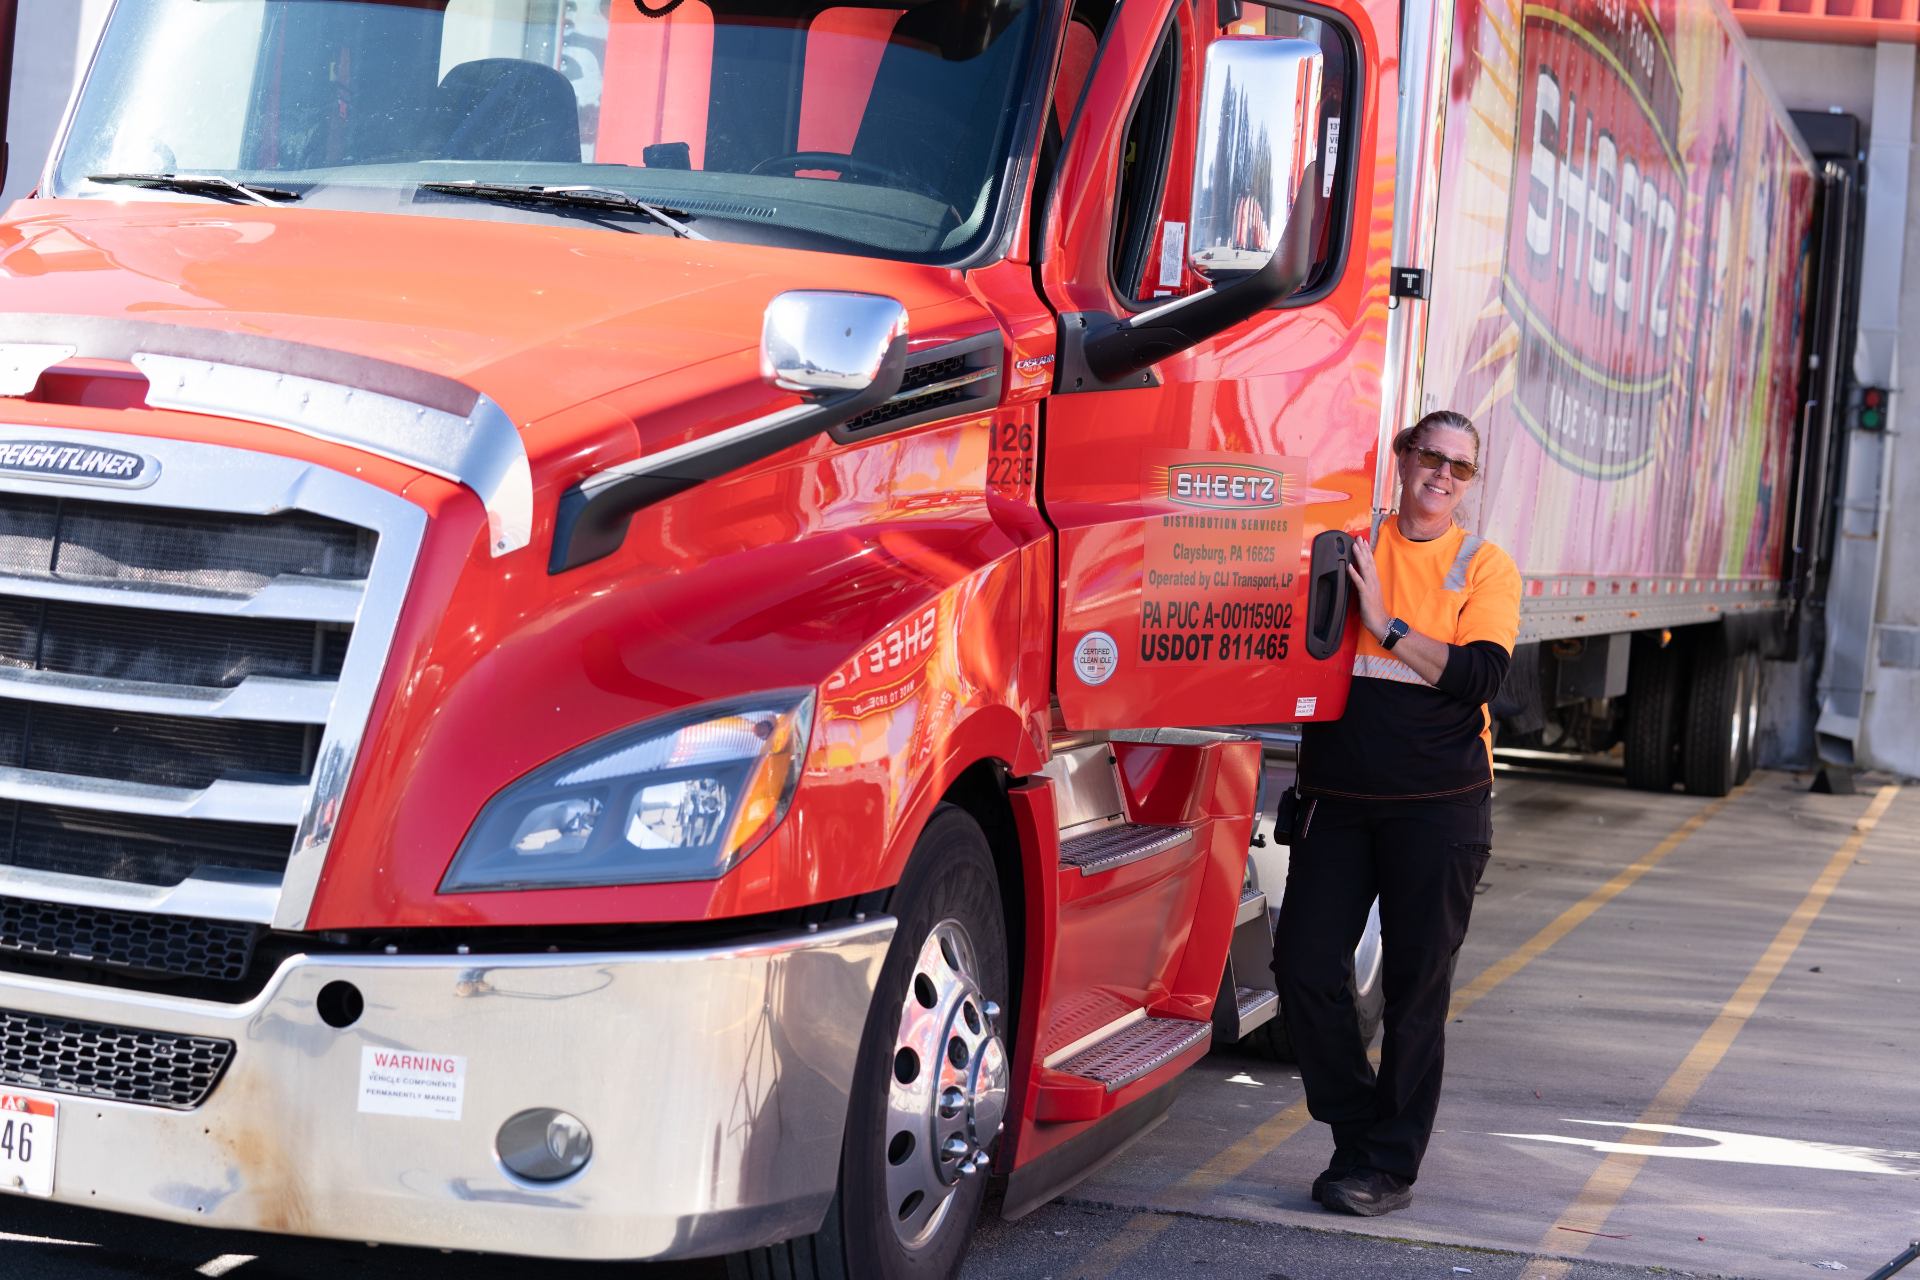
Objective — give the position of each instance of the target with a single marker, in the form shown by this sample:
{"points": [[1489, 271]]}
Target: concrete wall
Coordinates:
{"points": [[55, 39], [1846, 77], [1890, 734]]}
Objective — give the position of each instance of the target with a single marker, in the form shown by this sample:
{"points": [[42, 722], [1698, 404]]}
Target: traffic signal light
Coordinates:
{"points": [[1873, 409]]}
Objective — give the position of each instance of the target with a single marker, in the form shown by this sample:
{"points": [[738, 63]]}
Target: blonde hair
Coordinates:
{"points": [[1412, 437]]}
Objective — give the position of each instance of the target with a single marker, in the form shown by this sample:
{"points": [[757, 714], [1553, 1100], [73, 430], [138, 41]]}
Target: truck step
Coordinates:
{"points": [[1253, 905], [1116, 846], [1136, 1050], [1253, 1007]]}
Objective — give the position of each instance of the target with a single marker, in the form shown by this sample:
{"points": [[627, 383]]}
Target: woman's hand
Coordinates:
{"points": [[1366, 581]]}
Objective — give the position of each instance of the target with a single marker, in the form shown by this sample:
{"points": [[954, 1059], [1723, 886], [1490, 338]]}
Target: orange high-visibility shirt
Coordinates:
{"points": [[1402, 737]]}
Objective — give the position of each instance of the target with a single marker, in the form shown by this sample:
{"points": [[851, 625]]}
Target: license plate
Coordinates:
{"points": [[27, 1128]]}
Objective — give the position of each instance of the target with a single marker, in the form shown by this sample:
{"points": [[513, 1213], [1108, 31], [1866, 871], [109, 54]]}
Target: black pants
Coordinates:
{"points": [[1422, 858]]}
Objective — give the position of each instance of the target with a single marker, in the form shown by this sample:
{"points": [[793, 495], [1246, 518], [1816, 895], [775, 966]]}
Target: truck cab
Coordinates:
{"points": [[610, 610]]}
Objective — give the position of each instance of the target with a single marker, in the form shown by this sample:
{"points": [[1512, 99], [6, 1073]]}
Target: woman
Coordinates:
{"points": [[1395, 802]]}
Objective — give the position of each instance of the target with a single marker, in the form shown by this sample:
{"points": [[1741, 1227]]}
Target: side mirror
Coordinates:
{"points": [[820, 343], [1259, 130], [846, 352], [1256, 189]]}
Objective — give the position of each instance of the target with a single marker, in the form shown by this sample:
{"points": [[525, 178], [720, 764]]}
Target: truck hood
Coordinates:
{"points": [[539, 318]]}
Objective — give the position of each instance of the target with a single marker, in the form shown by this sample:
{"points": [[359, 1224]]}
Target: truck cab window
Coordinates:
{"points": [[1145, 158]]}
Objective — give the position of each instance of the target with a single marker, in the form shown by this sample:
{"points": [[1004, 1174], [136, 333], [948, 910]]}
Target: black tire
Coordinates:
{"points": [[1750, 735], [1652, 714], [949, 878], [1711, 743]]}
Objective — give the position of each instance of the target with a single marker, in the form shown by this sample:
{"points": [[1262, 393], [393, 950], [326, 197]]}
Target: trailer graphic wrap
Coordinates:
{"points": [[1592, 225], [1616, 288]]}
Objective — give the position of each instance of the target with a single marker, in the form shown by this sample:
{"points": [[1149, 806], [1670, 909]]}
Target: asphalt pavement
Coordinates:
{"points": [[1683, 1043]]}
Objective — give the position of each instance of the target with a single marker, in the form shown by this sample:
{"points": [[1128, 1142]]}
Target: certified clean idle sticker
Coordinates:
{"points": [[87, 464], [406, 1082], [1095, 658]]}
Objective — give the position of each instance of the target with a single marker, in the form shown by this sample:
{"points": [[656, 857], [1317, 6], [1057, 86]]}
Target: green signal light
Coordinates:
{"points": [[1873, 409]]}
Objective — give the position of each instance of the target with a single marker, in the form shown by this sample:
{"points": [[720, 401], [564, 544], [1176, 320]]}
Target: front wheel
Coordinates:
{"points": [[930, 1088]]}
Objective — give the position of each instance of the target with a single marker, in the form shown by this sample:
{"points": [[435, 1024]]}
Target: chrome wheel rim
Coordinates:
{"points": [[948, 1098]]}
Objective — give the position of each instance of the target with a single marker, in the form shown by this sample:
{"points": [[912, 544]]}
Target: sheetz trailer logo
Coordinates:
{"points": [[1592, 253], [88, 464], [1226, 486]]}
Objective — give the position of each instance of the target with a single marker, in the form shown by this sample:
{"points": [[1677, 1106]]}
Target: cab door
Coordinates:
{"points": [[1189, 497]]}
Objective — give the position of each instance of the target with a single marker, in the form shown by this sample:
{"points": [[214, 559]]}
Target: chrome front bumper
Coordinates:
{"points": [[714, 1084]]}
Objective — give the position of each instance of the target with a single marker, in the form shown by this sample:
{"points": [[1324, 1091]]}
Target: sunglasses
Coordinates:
{"points": [[1434, 460]]}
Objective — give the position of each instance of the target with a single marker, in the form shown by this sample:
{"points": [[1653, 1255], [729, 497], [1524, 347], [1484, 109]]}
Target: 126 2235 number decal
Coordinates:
{"points": [[1010, 462]]}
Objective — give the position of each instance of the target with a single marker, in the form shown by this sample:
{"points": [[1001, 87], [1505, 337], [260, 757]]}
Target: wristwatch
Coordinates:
{"points": [[1395, 630]]}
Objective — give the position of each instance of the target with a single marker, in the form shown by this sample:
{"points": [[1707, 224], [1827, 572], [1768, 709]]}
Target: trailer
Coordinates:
{"points": [[1620, 241], [615, 617]]}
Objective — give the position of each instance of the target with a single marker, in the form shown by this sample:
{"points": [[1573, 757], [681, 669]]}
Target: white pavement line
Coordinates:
{"points": [[223, 1264]]}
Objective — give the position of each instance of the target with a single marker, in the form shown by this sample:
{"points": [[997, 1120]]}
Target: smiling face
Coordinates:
{"points": [[1429, 494]]}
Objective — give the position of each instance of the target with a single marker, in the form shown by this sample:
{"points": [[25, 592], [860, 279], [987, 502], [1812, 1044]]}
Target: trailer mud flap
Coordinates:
{"points": [[1327, 593]]}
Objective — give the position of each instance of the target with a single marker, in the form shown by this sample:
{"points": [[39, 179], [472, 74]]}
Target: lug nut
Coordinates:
{"points": [[991, 1009], [951, 1101], [954, 1148]]}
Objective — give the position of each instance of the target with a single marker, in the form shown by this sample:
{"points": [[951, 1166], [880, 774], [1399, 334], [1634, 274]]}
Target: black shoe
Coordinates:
{"points": [[1368, 1193], [1345, 1161]]}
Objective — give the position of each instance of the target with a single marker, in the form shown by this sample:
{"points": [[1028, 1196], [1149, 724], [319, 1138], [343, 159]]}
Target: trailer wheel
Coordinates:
{"points": [[1652, 717], [1364, 984], [1716, 728], [930, 1087]]}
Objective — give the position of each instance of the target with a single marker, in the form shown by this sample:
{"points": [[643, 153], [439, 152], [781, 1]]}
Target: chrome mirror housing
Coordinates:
{"points": [[821, 343], [1259, 130]]}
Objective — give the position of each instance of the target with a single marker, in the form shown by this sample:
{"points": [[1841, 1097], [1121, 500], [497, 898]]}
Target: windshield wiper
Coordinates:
{"points": [[568, 197], [200, 184]]}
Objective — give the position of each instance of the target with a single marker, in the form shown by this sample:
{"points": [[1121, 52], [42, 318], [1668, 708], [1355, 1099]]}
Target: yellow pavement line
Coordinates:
{"points": [[1604, 1190], [1191, 1190], [1570, 919]]}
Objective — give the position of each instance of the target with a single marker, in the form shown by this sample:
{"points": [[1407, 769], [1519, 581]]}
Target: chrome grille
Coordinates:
{"points": [[136, 850], [185, 674], [92, 1060]]}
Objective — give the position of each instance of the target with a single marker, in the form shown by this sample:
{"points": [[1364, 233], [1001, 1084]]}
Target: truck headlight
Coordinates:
{"points": [[680, 798]]}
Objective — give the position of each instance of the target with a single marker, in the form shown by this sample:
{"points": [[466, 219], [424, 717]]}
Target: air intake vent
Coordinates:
{"points": [[730, 209], [154, 945], [91, 1060], [947, 381]]}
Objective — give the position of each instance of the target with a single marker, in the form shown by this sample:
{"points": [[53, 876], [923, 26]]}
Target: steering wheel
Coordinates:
{"points": [[851, 166]]}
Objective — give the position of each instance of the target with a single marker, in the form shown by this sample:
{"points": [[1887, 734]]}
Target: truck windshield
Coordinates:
{"points": [[874, 129]]}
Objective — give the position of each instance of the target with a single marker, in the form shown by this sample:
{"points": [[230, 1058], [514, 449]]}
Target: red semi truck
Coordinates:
{"points": [[613, 615]]}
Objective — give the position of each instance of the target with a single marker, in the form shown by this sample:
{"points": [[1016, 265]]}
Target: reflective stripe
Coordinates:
{"points": [[1457, 576], [1377, 667]]}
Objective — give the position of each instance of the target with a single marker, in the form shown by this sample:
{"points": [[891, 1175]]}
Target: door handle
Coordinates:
{"points": [[1327, 593]]}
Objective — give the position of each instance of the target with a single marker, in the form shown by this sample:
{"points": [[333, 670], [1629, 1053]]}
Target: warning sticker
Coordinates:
{"points": [[1173, 255], [406, 1082], [1095, 658], [1303, 707], [1222, 558]]}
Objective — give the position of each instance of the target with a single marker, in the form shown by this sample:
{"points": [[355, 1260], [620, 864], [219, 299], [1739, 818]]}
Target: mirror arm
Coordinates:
{"points": [[1150, 337], [594, 515]]}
